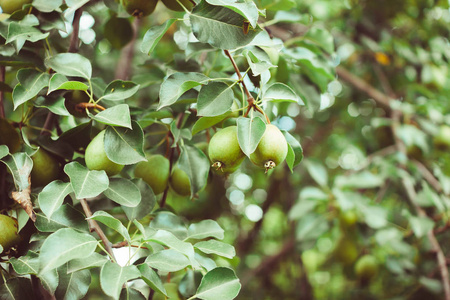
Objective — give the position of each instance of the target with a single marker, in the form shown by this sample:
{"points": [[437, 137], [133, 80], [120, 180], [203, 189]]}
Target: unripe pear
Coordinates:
{"points": [[45, 168], [155, 171], [224, 150], [96, 159], [180, 183], [366, 267], [346, 251], [9, 235], [442, 139], [271, 150], [10, 6], [139, 8]]}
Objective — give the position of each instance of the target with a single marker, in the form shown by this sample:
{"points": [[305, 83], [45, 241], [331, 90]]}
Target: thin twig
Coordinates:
{"points": [[2, 106], [93, 226], [361, 85], [249, 96], [428, 176], [442, 261]]}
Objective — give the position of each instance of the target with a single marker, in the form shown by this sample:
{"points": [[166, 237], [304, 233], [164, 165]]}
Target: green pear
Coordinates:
{"points": [[96, 159], [10, 6], [155, 171], [9, 236], [45, 168], [271, 150], [139, 8], [224, 150], [180, 183]]}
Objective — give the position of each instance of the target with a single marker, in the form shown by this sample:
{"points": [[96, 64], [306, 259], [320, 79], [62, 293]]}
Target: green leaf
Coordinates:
{"points": [[60, 82], [28, 264], [215, 99], [120, 90], [295, 150], [52, 196], [154, 35], [64, 245], [55, 105], [20, 165], [420, 225], [169, 221], [86, 183], [219, 284], [49, 280], [47, 5], [322, 38], [3, 151], [250, 132], [361, 180], [196, 165], [123, 192], [167, 261], [118, 115], [111, 222], [216, 247], [205, 229], [317, 172], [279, 92], [176, 85], [311, 227], [152, 279], [125, 146], [207, 122], [31, 82], [113, 277], [247, 9], [166, 238], [145, 206], [220, 27], [65, 216], [92, 261], [16, 288], [73, 285], [20, 33], [70, 64], [374, 216]]}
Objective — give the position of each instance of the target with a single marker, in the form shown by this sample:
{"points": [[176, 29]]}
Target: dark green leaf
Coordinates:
{"points": [[70, 64], [118, 115], [31, 82], [167, 261], [120, 90], [196, 165], [250, 132], [219, 284], [125, 146], [65, 216], [152, 279], [111, 222], [205, 229], [216, 247], [215, 99], [154, 35]]}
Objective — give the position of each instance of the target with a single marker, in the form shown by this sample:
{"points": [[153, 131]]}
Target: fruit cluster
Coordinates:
{"points": [[224, 152]]}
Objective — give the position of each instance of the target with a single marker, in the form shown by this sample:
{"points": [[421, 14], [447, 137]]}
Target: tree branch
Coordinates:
{"points": [[361, 85], [428, 176], [2, 106], [93, 226]]}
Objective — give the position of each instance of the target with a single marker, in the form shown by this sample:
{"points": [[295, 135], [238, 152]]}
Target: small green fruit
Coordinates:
{"points": [[442, 139], [174, 5], [179, 181], [155, 171], [224, 150], [271, 150], [346, 251], [45, 168], [172, 292], [96, 158], [72, 99], [10, 6], [139, 8], [9, 236], [348, 218], [366, 267]]}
